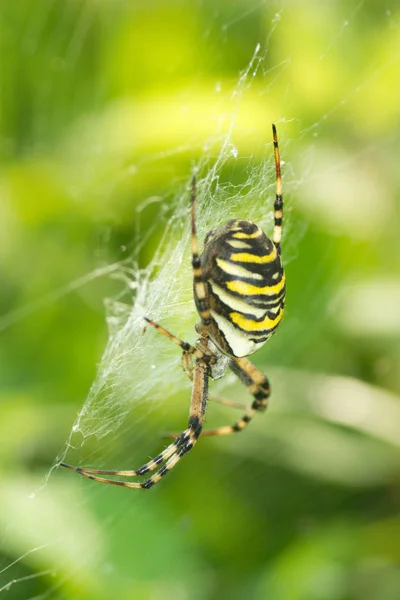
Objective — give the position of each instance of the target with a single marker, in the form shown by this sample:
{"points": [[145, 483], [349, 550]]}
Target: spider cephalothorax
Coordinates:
{"points": [[239, 291]]}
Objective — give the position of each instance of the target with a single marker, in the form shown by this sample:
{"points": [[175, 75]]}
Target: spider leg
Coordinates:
{"points": [[199, 287], [278, 204], [187, 348], [227, 402], [212, 398], [188, 351], [258, 386], [146, 468], [174, 452]]}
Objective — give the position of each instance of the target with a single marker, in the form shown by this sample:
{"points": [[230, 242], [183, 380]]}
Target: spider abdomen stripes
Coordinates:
{"points": [[245, 287]]}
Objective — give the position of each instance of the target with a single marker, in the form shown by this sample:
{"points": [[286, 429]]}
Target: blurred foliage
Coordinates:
{"points": [[106, 104]]}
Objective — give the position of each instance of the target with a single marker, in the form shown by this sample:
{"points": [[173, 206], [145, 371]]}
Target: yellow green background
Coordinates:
{"points": [[105, 109]]}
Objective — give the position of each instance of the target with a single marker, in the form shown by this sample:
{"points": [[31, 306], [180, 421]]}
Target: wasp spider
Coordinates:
{"points": [[239, 291]]}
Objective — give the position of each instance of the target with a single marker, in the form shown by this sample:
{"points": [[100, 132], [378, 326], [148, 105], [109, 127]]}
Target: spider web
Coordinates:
{"points": [[162, 291], [139, 375]]}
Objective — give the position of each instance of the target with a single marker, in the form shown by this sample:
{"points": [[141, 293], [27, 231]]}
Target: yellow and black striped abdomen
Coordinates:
{"points": [[245, 285]]}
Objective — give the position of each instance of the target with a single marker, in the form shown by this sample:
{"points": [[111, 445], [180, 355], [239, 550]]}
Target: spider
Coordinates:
{"points": [[239, 292]]}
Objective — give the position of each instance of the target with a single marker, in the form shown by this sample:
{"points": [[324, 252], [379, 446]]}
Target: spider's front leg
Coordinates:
{"points": [[172, 454], [189, 353]]}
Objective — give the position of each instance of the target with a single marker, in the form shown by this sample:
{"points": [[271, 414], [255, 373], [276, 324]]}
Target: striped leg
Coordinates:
{"points": [[220, 400], [199, 288], [278, 205], [173, 453], [188, 351], [258, 386], [187, 348]]}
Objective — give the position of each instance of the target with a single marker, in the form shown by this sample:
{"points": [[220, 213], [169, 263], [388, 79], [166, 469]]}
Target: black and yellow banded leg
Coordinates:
{"points": [[187, 348], [172, 454], [257, 384], [199, 287], [278, 204], [189, 352], [170, 451]]}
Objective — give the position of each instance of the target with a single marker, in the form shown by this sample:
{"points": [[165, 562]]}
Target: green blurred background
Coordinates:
{"points": [[105, 107]]}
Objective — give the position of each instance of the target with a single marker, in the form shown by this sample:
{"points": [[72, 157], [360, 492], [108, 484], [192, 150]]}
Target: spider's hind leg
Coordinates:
{"points": [[227, 402], [258, 386]]}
